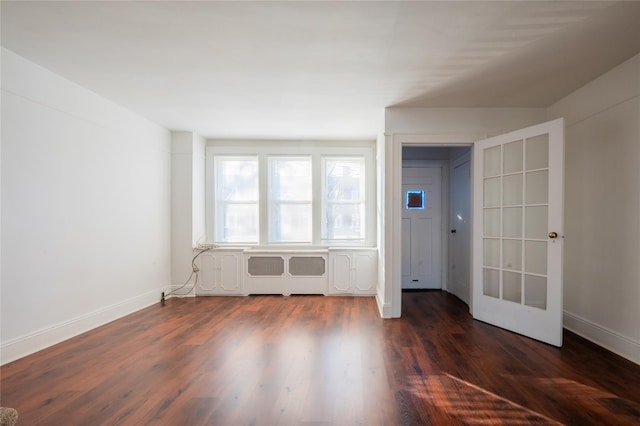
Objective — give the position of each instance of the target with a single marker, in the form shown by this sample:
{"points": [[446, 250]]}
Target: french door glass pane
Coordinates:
{"points": [[512, 286], [491, 282], [536, 222], [492, 192], [535, 291], [492, 161], [538, 187], [492, 253], [512, 190], [538, 152], [512, 157], [491, 222], [512, 254], [535, 257], [512, 222]]}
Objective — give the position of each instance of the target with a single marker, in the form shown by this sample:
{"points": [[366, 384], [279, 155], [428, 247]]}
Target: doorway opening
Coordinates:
{"points": [[436, 219]]}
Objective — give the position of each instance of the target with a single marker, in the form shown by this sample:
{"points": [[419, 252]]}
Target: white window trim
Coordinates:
{"points": [[323, 176], [317, 150]]}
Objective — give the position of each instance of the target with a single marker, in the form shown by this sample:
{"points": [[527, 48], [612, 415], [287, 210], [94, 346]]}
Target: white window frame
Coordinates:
{"points": [[271, 202], [217, 224], [362, 203], [316, 150]]}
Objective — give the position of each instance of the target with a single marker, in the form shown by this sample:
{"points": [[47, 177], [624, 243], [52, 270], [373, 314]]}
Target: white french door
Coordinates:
{"points": [[518, 231]]}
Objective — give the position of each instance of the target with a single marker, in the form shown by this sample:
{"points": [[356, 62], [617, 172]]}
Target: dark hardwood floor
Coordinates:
{"points": [[307, 360]]}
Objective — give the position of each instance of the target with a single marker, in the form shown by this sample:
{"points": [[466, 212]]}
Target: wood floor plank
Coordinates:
{"points": [[302, 360]]}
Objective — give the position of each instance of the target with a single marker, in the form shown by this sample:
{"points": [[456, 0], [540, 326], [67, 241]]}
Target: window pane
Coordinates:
{"points": [[344, 180], [237, 179], [343, 199], [290, 179], [290, 195], [236, 193], [290, 223], [343, 221], [239, 223]]}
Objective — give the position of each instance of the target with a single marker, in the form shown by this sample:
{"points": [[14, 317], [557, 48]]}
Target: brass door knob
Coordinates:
{"points": [[553, 235]]}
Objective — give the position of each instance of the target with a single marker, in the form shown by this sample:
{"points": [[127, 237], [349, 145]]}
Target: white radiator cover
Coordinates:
{"points": [[267, 279], [239, 271]]}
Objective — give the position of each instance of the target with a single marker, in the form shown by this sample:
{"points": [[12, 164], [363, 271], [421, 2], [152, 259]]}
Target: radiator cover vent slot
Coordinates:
{"points": [[307, 266], [265, 266]]}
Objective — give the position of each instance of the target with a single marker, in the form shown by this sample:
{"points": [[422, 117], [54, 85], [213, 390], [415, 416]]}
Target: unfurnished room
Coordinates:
{"points": [[320, 212]]}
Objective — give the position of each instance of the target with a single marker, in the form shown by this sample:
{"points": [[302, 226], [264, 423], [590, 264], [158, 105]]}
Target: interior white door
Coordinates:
{"points": [[460, 236], [517, 231], [422, 228]]}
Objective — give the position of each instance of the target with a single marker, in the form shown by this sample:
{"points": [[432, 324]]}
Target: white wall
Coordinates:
{"points": [[187, 205], [85, 209], [602, 209]]}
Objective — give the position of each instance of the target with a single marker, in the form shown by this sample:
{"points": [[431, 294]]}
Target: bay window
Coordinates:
{"points": [[287, 194]]}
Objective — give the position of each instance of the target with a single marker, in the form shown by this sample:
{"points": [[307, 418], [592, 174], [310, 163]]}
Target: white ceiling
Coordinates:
{"points": [[320, 69]]}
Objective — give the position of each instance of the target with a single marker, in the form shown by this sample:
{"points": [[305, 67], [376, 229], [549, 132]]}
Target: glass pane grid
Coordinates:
{"points": [[515, 221]]}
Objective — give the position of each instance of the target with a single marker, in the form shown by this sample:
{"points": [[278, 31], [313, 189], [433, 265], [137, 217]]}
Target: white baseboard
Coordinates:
{"points": [[384, 308], [602, 336], [27, 344]]}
